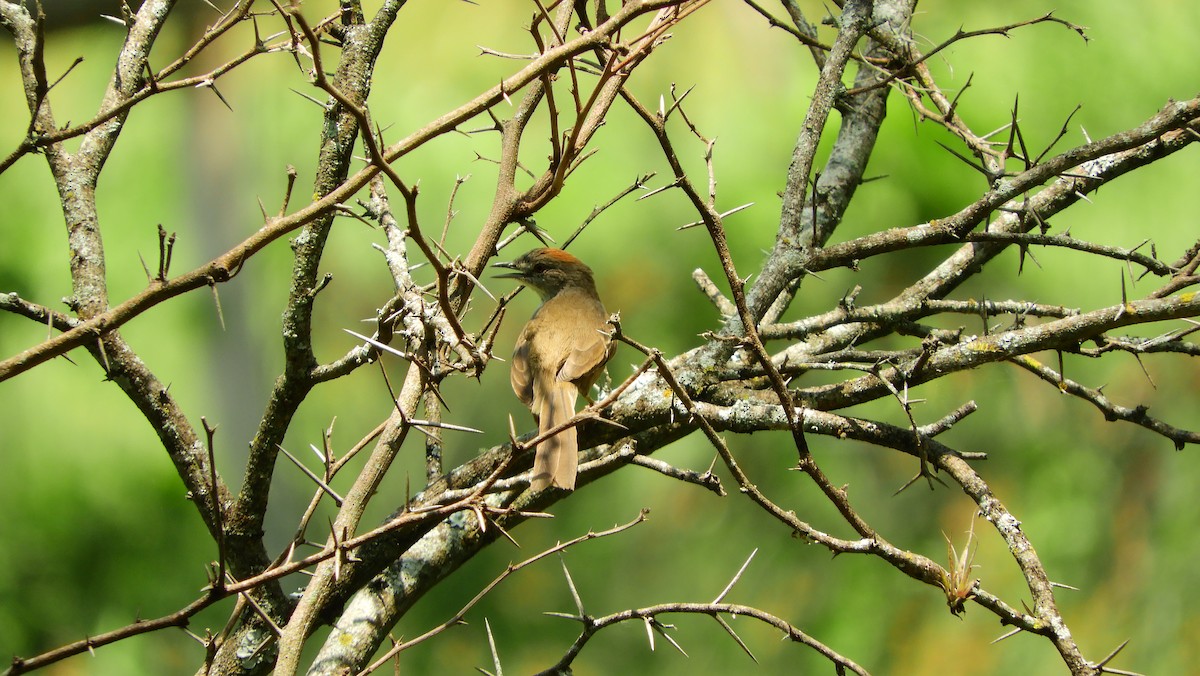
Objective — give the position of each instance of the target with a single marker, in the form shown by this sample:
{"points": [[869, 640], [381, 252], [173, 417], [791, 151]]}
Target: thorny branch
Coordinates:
{"points": [[458, 616], [747, 376], [715, 609]]}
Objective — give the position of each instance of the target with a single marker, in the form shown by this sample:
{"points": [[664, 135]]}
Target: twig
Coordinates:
{"points": [[458, 616]]}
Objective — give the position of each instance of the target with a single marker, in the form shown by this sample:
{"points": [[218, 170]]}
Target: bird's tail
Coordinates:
{"points": [[557, 457]]}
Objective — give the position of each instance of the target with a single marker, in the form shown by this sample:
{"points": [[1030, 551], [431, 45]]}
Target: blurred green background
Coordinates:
{"points": [[96, 531]]}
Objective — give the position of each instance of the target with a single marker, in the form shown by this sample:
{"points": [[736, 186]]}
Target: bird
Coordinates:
{"points": [[559, 355]]}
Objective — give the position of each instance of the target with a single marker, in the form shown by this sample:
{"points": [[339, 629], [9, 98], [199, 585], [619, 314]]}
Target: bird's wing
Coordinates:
{"points": [[520, 374], [584, 360]]}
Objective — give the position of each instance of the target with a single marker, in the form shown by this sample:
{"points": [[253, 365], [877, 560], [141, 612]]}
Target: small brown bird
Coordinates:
{"points": [[559, 355]]}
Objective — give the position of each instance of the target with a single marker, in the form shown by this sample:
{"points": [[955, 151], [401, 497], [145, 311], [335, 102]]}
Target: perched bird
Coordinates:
{"points": [[559, 355]]}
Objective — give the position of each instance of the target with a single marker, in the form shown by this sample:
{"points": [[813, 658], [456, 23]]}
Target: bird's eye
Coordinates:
{"points": [[539, 268]]}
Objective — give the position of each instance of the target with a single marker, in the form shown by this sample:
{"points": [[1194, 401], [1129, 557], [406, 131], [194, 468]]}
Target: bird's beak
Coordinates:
{"points": [[518, 275]]}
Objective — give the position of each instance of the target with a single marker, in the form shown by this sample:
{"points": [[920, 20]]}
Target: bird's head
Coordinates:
{"points": [[549, 271]]}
